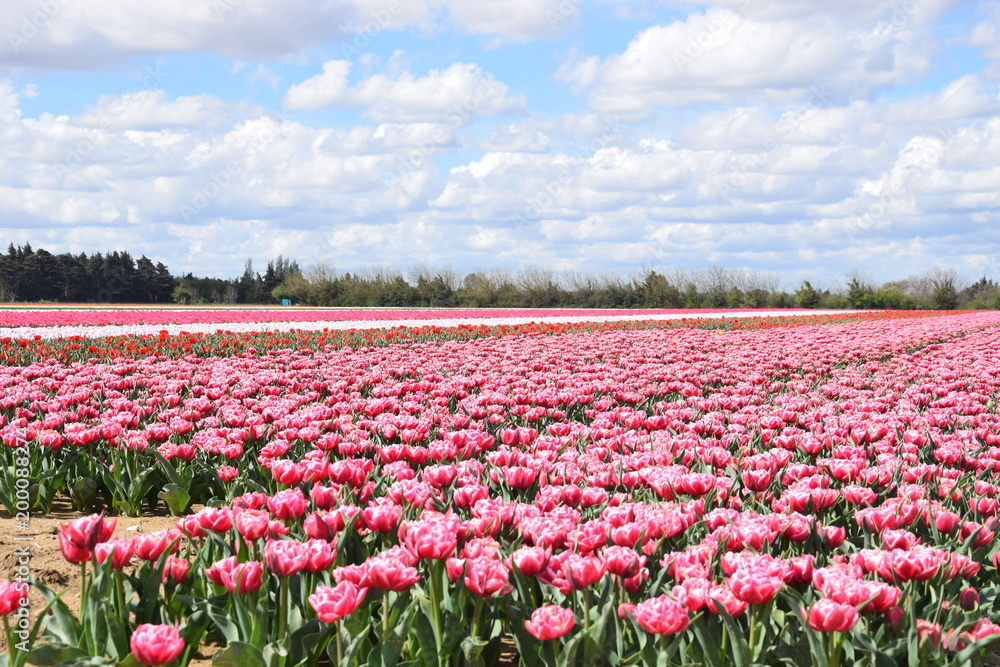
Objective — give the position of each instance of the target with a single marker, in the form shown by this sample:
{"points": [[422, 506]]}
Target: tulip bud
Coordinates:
{"points": [[968, 599], [894, 618]]}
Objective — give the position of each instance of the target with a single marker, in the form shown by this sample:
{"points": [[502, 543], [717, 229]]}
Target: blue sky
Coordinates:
{"points": [[793, 137]]}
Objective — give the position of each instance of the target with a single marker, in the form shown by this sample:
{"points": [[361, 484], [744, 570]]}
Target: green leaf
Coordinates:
{"points": [[472, 649], [61, 626], [176, 499], [567, 657], [350, 651], [275, 649], [130, 661], [305, 640], [737, 640], [238, 654], [83, 493], [709, 645], [224, 622], [424, 630], [53, 654], [167, 469], [387, 653]]}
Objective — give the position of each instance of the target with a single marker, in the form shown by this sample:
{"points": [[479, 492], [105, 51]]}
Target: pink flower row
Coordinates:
{"points": [[60, 317]]}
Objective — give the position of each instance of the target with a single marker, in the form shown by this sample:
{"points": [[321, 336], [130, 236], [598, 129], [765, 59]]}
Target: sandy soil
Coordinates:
{"points": [[48, 565]]}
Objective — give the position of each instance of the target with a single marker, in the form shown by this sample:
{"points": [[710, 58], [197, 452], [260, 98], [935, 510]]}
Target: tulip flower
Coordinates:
{"points": [[286, 557], [150, 546], [334, 603], [390, 574], [176, 569], [486, 577], [118, 551], [661, 615], [550, 622], [13, 595], [829, 616], [156, 644]]}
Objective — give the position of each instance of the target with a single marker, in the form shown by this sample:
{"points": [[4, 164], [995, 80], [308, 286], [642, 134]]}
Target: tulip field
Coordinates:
{"points": [[806, 490]]}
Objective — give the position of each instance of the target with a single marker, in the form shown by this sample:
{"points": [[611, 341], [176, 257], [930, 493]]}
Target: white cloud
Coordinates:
{"points": [[262, 73], [150, 109], [514, 138], [752, 185], [720, 56], [986, 33], [59, 34], [515, 20], [323, 90], [457, 95]]}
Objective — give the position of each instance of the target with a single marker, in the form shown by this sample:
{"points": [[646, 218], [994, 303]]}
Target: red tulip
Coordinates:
{"points": [[214, 519], [334, 603], [894, 618], [722, 597], [322, 525], [319, 555], [486, 576], [252, 524], [286, 557], [968, 599], [150, 546], [755, 586], [86, 532], [435, 540], [390, 574], [176, 569], [583, 571], [118, 551], [287, 472], [71, 552], [661, 615], [288, 504], [381, 518], [530, 560], [550, 622], [13, 596], [829, 616], [156, 644], [757, 480], [241, 578], [929, 632], [227, 473]]}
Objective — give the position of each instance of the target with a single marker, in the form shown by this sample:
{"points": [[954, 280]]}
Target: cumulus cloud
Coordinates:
{"points": [[57, 34], [829, 184], [515, 20], [724, 57], [456, 95]]}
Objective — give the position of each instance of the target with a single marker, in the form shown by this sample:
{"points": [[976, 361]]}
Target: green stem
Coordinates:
{"points": [[586, 609], [10, 642], [834, 653], [475, 616], [83, 591], [724, 641], [120, 597], [340, 648], [282, 611], [436, 607], [385, 615]]}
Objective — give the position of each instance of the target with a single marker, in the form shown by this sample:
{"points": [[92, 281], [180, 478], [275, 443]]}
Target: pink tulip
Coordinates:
{"points": [[156, 644]]}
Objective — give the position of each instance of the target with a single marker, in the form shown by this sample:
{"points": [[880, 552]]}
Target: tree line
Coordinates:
{"points": [[29, 275]]}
